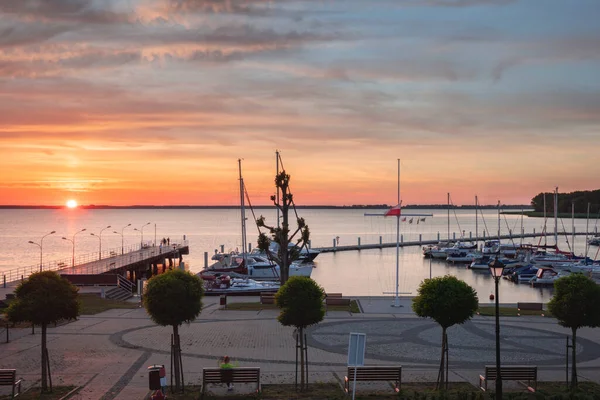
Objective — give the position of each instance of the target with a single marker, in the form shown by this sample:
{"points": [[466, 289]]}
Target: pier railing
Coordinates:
{"points": [[94, 263]]}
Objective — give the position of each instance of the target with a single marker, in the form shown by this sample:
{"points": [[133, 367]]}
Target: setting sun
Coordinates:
{"points": [[71, 203]]}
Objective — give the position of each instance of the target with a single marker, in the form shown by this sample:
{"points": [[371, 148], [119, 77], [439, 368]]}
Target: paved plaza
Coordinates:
{"points": [[107, 354]]}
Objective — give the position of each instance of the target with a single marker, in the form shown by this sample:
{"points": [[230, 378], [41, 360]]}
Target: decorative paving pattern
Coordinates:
{"points": [[472, 344]]}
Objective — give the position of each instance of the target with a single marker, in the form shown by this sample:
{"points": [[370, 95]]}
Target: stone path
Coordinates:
{"points": [[108, 354]]}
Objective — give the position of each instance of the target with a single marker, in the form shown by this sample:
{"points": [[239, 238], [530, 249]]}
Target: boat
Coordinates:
{"points": [[254, 266], [595, 241], [523, 274], [483, 262], [224, 284], [547, 276], [462, 256], [305, 254]]}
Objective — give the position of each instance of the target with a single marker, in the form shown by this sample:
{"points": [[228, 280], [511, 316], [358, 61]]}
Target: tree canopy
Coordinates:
{"points": [[174, 297], [575, 302], [301, 302], [565, 200], [44, 298], [445, 299]]}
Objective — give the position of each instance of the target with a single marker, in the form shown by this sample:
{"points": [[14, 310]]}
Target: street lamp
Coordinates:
{"points": [[496, 269], [142, 230], [101, 230], [142, 237], [73, 246], [122, 230], [40, 245], [100, 243]]}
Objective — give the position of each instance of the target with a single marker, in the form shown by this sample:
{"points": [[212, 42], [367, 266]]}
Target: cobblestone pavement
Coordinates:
{"points": [[108, 354]]}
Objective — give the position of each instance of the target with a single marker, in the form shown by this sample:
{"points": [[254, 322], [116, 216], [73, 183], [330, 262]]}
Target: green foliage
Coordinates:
{"points": [[174, 297], [565, 200], [575, 302], [44, 298], [447, 300], [301, 302]]}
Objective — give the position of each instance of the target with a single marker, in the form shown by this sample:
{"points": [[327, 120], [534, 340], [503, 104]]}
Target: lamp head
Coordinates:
{"points": [[496, 268], [52, 232], [31, 242], [116, 232], [64, 238], [83, 230], [108, 227]]}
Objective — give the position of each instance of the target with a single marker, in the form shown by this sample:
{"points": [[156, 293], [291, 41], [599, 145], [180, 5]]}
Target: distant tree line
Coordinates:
{"points": [[565, 201]]}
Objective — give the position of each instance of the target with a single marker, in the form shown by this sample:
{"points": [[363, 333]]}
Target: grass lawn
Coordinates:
{"points": [[92, 303], [509, 311], [256, 306], [410, 390], [35, 393]]}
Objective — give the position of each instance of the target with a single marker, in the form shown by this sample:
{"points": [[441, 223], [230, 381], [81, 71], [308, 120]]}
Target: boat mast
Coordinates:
{"points": [[573, 226], [498, 220], [522, 232], [545, 220], [556, 217], [476, 221], [587, 226], [448, 216], [277, 174], [243, 211], [397, 299]]}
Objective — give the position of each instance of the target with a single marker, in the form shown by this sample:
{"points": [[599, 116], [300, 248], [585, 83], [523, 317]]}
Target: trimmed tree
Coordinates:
{"points": [[171, 299], [301, 302], [44, 298], [448, 301], [285, 254], [575, 305]]}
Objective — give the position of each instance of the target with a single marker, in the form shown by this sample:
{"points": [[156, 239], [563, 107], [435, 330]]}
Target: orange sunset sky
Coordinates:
{"points": [[153, 101]]}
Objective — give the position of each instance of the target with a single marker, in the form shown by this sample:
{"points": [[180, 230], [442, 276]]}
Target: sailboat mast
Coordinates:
{"points": [[243, 211], [448, 216], [397, 299], [476, 221], [277, 174], [556, 216], [573, 226], [522, 231], [587, 229], [498, 220], [545, 220]]}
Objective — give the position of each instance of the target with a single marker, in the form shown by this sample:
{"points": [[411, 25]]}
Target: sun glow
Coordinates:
{"points": [[71, 204]]}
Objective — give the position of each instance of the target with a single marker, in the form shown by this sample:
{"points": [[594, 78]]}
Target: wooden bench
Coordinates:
{"points": [[267, 298], [336, 301], [8, 377], [510, 373], [230, 375], [330, 295], [530, 306], [374, 373]]}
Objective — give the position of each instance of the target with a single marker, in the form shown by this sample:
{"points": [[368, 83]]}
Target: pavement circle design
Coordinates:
{"points": [[471, 344]]}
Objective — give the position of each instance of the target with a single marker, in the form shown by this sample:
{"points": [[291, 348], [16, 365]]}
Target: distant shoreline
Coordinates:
{"points": [[191, 207]]}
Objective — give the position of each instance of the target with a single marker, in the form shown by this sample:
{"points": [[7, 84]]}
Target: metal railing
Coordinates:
{"points": [[92, 263]]}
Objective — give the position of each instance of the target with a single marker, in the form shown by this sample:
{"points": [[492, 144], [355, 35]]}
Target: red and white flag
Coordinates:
{"points": [[394, 211]]}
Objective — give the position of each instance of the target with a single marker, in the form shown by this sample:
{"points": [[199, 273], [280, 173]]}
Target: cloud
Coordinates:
{"points": [[84, 11]]}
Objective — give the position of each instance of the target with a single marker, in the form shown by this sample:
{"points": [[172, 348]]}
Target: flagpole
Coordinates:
{"points": [[397, 299]]}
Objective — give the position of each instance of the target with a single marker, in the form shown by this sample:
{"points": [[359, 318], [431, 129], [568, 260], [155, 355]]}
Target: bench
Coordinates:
{"points": [[530, 306], [374, 373], [330, 295], [267, 298], [8, 377], [113, 253], [510, 373], [230, 375], [337, 301]]}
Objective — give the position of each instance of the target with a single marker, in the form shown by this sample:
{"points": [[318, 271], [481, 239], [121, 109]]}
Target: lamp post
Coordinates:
{"points": [[40, 245], [100, 245], [73, 244], [123, 230], [142, 236], [142, 230], [496, 269], [102, 230]]}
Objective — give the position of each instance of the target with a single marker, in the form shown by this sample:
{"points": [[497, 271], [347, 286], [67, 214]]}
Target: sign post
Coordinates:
{"points": [[356, 354]]}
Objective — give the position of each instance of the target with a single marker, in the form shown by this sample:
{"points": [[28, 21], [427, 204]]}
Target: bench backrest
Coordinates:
{"points": [[7, 377], [375, 373], [330, 295], [337, 301], [530, 306], [512, 372], [238, 375]]}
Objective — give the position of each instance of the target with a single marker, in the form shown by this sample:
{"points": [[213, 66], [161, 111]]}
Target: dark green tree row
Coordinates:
{"points": [[581, 200]]}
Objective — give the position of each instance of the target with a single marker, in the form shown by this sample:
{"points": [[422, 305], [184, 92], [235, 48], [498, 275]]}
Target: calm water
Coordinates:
{"points": [[368, 272]]}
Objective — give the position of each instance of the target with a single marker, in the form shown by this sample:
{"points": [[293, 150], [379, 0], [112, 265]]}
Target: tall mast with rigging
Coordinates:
{"points": [[243, 211]]}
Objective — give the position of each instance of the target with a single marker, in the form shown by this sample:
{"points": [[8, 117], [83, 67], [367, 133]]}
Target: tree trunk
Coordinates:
{"points": [[302, 359], [574, 366], [176, 358], [44, 360], [285, 262], [441, 373]]}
